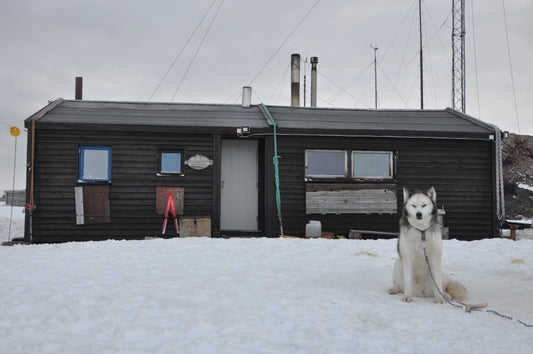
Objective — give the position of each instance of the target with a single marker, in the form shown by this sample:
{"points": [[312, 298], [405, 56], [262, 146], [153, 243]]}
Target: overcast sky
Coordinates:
{"points": [[123, 48]]}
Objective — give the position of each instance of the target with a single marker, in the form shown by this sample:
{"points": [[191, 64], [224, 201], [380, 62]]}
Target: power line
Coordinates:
{"points": [[182, 49], [401, 66], [394, 90], [283, 43], [475, 58], [510, 65], [333, 98], [197, 50], [340, 87]]}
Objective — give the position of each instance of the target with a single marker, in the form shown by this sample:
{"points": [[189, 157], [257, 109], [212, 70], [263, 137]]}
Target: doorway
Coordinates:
{"points": [[239, 185]]}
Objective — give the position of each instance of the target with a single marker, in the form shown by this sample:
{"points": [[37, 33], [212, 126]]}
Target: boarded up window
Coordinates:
{"points": [[92, 205], [337, 198], [162, 199]]}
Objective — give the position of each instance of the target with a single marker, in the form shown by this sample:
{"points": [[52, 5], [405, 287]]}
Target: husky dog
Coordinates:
{"points": [[419, 229]]}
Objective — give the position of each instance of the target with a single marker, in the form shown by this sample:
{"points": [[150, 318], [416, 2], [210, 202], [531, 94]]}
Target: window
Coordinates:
{"points": [[372, 164], [334, 164], [170, 162], [95, 163], [325, 163]]}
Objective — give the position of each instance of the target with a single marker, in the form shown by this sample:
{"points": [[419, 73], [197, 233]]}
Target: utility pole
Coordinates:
{"points": [[421, 56], [458, 55], [375, 77]]}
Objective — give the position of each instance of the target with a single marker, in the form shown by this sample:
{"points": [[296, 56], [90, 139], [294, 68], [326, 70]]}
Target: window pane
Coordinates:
{"points": [[326, 163], [372, 164], [95, 163], [171, 162]]}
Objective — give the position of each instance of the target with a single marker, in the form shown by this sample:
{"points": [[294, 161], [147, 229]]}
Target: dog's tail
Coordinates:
{"points": [[456, 290]]}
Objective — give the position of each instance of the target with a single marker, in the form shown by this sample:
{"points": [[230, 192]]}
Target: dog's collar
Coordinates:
{"points": [[422, 234]]}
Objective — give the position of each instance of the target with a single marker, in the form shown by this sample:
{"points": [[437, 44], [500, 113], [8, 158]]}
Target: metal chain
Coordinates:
{"points": [[461, 306], [433, 278]]}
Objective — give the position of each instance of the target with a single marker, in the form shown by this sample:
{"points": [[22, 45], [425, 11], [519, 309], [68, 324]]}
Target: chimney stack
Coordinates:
{"points": [[246, 96], [79, 88], [314, 62], [295, 80]]}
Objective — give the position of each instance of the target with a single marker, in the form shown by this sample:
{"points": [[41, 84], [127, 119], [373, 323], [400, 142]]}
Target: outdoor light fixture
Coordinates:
{"points": [[242, 131]]}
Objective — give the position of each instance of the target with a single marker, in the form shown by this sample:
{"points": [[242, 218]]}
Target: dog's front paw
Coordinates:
{"points": [[438, 300], [395, 289], [407, 298]]}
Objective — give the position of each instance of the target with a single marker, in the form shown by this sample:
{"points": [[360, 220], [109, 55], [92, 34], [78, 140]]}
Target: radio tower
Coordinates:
{"points": [[458, 55]]}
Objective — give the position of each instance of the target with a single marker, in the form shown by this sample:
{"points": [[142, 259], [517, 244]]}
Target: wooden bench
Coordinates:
{"points": [[514, 225]]}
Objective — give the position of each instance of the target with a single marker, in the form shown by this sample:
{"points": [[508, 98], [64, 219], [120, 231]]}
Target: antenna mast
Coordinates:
{"points": [[458, 55], [421, 56]]}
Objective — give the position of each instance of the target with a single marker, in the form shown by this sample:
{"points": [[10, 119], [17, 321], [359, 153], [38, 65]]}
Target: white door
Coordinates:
{"points": [[239, 187]]}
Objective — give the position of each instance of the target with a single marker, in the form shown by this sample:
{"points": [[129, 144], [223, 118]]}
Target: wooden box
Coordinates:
{"points": [[195, 226]]}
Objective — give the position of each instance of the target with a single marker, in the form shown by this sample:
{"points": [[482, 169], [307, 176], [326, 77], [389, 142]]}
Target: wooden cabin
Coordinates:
{"points": [[104, 170]]}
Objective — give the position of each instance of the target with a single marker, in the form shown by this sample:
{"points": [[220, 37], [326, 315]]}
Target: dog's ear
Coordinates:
{"points": [[405, 195], [432, 194]]}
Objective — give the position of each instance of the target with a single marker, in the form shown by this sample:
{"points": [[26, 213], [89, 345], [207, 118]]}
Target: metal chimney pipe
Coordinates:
{"points": [[79, 88], [314, 61], [246, 96], [295, 80]]}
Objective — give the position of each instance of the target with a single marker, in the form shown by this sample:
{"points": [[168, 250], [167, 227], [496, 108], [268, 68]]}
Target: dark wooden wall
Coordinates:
{"points": [[460, 170], [132, 191]]}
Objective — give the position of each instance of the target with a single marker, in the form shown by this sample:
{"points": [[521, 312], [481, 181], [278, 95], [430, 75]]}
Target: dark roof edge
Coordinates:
{"points": [[491, 127], [359, 109], [51, 105], [159, 103], [267, 105]]}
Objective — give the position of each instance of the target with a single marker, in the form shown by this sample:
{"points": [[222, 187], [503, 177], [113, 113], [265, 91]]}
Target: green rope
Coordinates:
{"points": [[276, 168]]}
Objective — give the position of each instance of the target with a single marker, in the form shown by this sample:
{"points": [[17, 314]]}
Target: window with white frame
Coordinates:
{"points": [[170, 162], [372, 164], [95, 163], [325, 163]]}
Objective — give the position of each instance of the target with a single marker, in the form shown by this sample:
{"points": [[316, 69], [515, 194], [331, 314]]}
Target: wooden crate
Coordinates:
{"points": [[195, 226]]}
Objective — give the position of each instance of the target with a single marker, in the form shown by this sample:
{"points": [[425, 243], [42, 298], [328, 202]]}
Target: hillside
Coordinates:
{"points": [[518, 171]]}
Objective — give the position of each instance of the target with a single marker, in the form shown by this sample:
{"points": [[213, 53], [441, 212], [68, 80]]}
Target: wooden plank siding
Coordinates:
{"points": [[350, 198], [460, 170], [132, 190]]}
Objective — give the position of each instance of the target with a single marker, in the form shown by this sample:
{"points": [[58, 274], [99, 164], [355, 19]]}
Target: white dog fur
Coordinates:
{"points": [[411, 275]]}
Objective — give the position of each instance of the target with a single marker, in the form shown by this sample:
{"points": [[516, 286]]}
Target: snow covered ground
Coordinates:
{"points": [[525, 186], [200, 295]]}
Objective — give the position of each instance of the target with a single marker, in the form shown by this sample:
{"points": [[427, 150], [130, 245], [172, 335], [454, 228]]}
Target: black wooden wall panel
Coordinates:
{"points": [[460, 170], [132, 191]]}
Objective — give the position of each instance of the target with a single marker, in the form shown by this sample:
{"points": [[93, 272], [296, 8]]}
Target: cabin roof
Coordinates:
{"points": [[445, 121]]}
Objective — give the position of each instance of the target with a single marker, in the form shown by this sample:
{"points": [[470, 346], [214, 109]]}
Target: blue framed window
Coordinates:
{"points": [[170, 162], [95, 163]]}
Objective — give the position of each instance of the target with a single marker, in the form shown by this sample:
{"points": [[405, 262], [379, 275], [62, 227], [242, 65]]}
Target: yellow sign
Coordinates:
{"points": [[14, 131]]}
